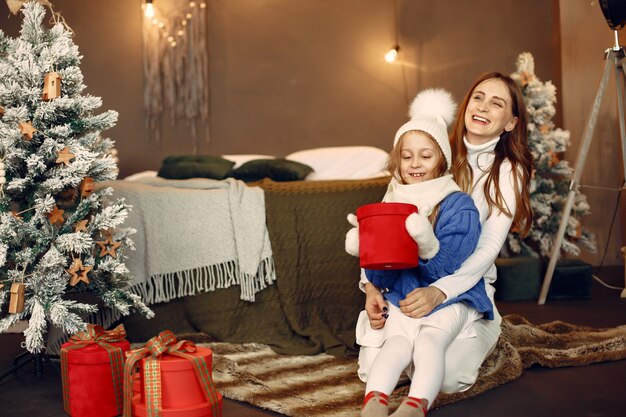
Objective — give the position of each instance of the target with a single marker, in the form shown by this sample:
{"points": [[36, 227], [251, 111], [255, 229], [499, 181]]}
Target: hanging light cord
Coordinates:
{"points": [[397, 39]]}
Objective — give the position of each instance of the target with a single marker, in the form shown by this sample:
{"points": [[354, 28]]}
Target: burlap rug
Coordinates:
{"points": [[323, 385]]}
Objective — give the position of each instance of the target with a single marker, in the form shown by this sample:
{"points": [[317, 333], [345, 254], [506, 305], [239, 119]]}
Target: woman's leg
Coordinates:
{"points": [[465, 356]]}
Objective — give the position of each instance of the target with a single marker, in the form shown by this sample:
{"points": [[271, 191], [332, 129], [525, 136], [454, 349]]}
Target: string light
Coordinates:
{"points": [[151, 13], [148, 10], [392, 54]]}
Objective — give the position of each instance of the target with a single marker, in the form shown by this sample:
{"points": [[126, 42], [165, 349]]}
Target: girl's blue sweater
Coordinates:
{"points": [[458, 229]]}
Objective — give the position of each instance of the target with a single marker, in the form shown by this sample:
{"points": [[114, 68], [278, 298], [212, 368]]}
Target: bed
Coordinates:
{"points": [[302, 297]]}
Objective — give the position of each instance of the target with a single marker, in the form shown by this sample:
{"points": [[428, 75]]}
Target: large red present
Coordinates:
{"points": [[384, 242], [175, 380], [92, 366]]}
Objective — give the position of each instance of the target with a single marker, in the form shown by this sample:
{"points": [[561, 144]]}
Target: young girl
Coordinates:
{"points": [[446, 229], [492, 162]]}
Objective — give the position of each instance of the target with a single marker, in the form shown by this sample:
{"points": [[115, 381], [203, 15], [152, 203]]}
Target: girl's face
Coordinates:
{"points": [[489, 112], [419, 155]]}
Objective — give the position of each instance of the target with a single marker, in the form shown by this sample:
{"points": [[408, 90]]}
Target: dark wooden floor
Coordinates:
{"points": [[592, 391]]}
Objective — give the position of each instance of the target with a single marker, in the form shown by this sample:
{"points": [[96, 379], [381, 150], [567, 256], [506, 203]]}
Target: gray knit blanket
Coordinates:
{"points": [[196, 235]]}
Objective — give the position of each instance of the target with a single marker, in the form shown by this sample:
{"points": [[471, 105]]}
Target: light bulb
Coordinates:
{"points": [[392, 54], [148, 11]]}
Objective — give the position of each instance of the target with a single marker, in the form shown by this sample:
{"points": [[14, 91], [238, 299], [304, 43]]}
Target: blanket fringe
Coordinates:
{"points": [[166, 287]]}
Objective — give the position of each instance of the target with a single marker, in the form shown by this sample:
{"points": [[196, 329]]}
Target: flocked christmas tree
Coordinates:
{"points": [[60, 233], [550, 175]]}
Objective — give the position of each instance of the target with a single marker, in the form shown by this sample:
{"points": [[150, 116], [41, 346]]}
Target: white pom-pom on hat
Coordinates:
{"points": [[431, 111], [434, 102]]}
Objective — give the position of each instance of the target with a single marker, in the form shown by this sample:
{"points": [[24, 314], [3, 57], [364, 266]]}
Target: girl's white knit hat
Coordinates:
{"points": [[432, 111]]}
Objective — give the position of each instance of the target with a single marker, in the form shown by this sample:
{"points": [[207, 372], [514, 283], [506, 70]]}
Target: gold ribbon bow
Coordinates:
{"points": [[95, 334], [165, 342]]}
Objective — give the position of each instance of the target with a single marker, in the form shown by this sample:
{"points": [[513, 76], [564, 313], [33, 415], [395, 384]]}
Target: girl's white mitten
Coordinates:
{"points": [[352, 237], [422, 233]]}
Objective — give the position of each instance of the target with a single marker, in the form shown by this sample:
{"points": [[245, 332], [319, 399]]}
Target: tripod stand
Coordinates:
{"points": [[614, 58]]}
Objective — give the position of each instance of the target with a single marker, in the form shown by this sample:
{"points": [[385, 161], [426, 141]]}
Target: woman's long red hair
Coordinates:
{"points": [[512, 145]]}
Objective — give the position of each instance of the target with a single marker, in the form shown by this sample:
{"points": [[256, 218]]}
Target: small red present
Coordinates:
{"points": [[92, 367], [175, 380], [383, 240]]}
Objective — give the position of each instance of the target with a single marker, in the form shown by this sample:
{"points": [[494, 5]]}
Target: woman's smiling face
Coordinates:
{"points": [[489, 112], [420, 156]]}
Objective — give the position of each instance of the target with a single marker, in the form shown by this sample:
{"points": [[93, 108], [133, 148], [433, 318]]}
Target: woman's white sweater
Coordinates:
{"points": [[495, 227]]}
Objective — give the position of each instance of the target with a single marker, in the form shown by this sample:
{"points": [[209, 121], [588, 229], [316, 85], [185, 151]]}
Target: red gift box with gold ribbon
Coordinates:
{"points": [[175, 379], [92, 368]]}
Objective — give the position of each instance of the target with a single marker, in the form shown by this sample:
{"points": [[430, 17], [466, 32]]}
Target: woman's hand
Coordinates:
{"points": [[421, 301], [375, 306]]}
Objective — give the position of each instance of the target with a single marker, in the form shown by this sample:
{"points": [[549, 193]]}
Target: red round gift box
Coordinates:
{"points": [[181, 393], [90, 381], [384, 242]]}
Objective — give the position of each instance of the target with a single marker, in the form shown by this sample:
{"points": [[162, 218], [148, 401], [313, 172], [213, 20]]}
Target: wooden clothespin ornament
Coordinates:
{"points": [[51, 86], [87, 187], [16, 301]]}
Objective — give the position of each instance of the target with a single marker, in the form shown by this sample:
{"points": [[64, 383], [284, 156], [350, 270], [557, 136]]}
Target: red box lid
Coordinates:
{"points": [[175, 363], [92, 354]]}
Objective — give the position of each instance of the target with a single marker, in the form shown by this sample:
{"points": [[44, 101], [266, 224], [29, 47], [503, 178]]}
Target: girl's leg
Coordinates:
{"points": [[428, 358], [394, 356]]}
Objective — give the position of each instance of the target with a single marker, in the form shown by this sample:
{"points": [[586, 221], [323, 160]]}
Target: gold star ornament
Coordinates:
{"points": [[27, 130], [56, 216], [78, 272], [81, 226], [65, 156], [108, 246]]}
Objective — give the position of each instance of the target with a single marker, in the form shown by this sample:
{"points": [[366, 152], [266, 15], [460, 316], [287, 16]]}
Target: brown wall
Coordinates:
{"points": [[288, 75], [585, 36]]}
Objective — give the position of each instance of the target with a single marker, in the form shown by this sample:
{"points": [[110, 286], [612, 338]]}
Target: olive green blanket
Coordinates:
{"points": [[313, 305]]}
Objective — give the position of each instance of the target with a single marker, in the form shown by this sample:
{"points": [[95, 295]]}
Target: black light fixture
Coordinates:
{"points": [[614, 12], [148, 10]]}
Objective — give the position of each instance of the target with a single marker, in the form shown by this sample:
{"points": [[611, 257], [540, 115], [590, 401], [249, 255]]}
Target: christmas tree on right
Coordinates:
{"points": [[550, 175]]}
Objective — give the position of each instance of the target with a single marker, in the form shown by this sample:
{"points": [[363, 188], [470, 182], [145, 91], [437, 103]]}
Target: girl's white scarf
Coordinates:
{"points": [[425, 195]]}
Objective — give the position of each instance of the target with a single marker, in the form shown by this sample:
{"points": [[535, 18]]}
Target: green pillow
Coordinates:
{"points": [[276, 169], [182, 167]]}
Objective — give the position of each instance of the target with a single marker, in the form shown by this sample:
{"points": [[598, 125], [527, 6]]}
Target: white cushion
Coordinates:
{"points": [[343, 162], [141, 176], [239, 160]]}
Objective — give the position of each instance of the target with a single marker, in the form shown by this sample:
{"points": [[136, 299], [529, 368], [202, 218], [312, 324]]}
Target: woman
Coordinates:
{"points": [[491, 161]]}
